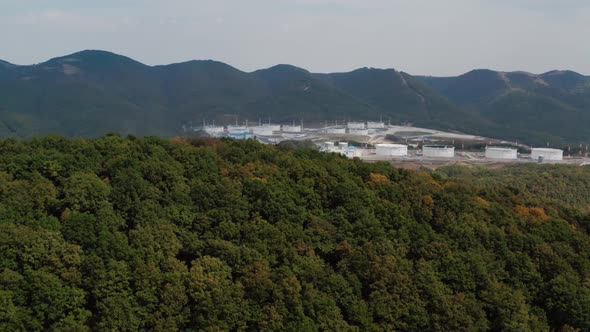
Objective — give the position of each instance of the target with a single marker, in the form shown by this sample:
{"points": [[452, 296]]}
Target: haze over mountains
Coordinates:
{"points": [[95, 92]]}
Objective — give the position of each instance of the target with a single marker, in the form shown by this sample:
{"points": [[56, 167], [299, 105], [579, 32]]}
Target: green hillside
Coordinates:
{"points": [[386, 89], [553, 107], [133, 234], [91, 93]]}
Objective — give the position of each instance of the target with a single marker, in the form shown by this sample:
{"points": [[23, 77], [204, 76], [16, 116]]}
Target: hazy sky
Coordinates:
{"points": [[436, 37]]}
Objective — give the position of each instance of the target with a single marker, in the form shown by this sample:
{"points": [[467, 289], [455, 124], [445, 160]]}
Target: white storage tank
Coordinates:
{"points": [[336, 131], [291, 128], [547, 154], [494, 152], [214, 131], [375, 125], [392, 150], [356, 125], [237, 129], [358, 132], [273, 127], [262, 131], [438, 151]]}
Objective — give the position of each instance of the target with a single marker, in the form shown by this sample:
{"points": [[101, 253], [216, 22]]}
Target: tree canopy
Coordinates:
{"points": [[127, 233]]}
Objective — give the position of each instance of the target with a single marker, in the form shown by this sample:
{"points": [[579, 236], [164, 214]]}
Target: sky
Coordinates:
{"points": [[426, 37]]}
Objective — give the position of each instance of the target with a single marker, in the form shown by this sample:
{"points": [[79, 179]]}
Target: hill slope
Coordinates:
{"points": [[91, 93], [554, 106]]}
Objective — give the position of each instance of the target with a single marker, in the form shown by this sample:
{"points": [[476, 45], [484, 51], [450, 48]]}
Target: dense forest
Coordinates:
{"points": [[126, 233]]}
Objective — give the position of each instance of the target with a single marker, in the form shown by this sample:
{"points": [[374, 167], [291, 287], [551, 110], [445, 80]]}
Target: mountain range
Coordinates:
{"points": [[91, 93]]}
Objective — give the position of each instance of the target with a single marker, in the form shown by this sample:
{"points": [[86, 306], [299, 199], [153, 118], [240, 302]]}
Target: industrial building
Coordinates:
{"points": [[494, 152], [438, 151], [545, 154], [238, 132], [327, 146], [356, 125], [240, 135], [342, 148], [391, 150]]}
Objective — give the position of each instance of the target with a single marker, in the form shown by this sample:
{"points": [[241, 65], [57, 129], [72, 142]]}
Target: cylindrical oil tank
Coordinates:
{"points": [[236, 129], [214, 131], [291, 128], [273, 127], [358, 132], [494, 152], [438, 151], [262, 131], [392, 150], [356, 125], [336, 131], [546, 154], [375, 125]]}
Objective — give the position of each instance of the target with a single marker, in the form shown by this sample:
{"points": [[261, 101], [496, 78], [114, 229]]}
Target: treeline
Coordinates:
{"points": [[125, 234], [556, 183]]}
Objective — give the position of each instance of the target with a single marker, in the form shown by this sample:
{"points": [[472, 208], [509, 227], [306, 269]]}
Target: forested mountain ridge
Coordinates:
{"points": [[91, 93], [126, 233], [555, 104]]}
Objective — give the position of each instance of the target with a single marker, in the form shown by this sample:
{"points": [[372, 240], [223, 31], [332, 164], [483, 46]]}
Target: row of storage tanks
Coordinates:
{"points": [[444, 151], [268, 130], [356, 128], [350, 131], [246, 132], [540, 154], [400, 150], [363, 125]]}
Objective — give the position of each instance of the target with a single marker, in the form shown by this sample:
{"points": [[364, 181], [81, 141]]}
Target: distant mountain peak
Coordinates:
{"points": [[566, 79], [522, 72], [374, 70], [562, 73], [213, 64], [96, 58], [285, 68], [559, 72], [96, 53], [480, 71]]}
